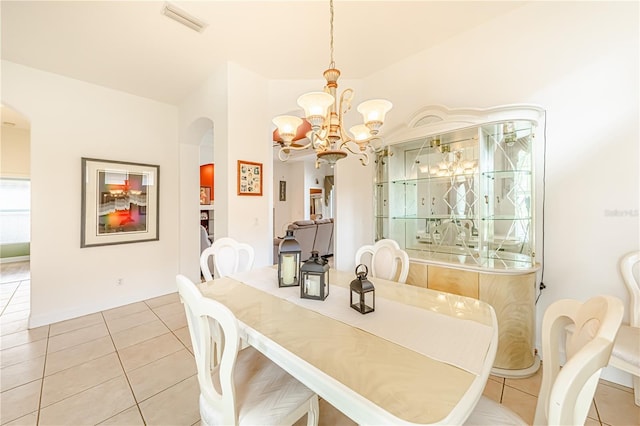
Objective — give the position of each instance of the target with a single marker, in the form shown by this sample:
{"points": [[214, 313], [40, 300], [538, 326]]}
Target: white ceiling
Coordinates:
{"points": [[130, 46]]}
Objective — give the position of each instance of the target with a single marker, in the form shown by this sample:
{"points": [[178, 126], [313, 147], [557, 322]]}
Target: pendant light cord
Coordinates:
{"points": [[332, 64]]}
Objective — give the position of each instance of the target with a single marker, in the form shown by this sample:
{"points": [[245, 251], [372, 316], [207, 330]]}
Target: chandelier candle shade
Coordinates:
{"points": [[327, 135]]}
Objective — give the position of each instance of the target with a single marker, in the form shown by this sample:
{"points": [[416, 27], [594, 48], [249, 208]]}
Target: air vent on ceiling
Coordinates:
{"points": [[183, 17]]}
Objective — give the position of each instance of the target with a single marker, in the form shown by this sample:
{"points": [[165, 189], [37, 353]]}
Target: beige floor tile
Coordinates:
{"points": [[30, 419], [76, 337], [16, 306], [14, 327], [169, 309], [129, 417], [157, 376], [14, 316], [616, 407], [329, 416], [593, 412], [9, 288], [184, 336], [175, 321], [530, 385], [177, 405], [125, 310], [76, 323], [92, 406], [591, 422], [148, 351], [78, 354], [493, 390], [21, 297], [20, 401], [21, 373], [22, 337], [520, 402], [80, 378], [129, 321], [22, 353], [139, 334], [496, 378], [162, 300]]}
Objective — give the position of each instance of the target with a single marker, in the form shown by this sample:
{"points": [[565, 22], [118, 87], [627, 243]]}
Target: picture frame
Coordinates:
{"points": [[283, 190], [119, 202], [205, 195], [249, 178]]}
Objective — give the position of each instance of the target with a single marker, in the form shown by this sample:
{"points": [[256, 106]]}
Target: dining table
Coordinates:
{"points": [[421, 357]]}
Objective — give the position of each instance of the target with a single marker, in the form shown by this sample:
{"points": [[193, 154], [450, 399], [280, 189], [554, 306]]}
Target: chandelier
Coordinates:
{"points": [[327, 135]]}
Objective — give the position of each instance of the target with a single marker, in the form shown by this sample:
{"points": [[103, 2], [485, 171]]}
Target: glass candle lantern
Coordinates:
{"points": [[363, 293], [289, 261], [314, 278]]}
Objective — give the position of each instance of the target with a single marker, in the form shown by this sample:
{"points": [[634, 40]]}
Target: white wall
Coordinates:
{"points": [[579, 60], [206, 106], [235, 99], [15, 151], [292, 209], [250, 217], [71, 119]]}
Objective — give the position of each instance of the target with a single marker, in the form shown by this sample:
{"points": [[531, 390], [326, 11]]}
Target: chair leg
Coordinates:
{"points": [[636, 389], [313, 414]]}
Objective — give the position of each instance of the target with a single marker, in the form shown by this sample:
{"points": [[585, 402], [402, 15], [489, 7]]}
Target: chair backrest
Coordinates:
{"points": [[385, 259], [205, 318], [629, 267], [229, 257], [566, 394]]}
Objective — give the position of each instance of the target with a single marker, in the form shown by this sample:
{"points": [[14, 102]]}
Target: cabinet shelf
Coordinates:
{"points": [[509, 218], [481, 209]]}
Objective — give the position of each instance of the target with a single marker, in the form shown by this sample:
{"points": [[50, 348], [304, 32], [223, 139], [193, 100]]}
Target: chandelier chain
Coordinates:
{"points": [[332, 64]]}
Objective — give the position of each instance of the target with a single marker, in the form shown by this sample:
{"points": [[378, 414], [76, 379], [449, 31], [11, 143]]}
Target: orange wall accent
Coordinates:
{"points": [[207, 177]]}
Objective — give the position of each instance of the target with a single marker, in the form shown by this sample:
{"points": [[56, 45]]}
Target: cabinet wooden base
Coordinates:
{"points": [[512, 295], [519, 373]]}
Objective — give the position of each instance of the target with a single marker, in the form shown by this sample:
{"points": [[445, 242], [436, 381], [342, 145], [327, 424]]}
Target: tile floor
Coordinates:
{"points": [[132, 365]]}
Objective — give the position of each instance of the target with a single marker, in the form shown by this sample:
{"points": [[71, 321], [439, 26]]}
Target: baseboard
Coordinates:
{"points": [[15, 259]]}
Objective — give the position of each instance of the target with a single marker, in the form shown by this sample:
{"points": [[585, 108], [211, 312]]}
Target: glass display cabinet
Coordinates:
{"points": [[456, 189]]}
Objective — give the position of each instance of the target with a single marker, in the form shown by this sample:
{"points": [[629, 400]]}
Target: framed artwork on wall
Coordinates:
{"points": [[119, 202], [249, 178], [283, 190]]}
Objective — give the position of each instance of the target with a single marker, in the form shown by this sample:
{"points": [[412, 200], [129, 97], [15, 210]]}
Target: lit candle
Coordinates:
{"points": [[288, 269]]}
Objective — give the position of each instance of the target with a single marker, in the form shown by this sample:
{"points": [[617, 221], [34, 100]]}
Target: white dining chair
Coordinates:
{"points": [[229, 256], [244, 387], [566, 390], [626, 350], [385, 259]]}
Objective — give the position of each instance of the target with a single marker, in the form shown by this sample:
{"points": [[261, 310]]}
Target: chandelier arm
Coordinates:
{"points": [[345, 105], [283, 155], [296, 148]]}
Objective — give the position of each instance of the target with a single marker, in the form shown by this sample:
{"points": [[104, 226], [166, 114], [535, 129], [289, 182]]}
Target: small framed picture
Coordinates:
{"points": [[249, 178], [283, 190]]}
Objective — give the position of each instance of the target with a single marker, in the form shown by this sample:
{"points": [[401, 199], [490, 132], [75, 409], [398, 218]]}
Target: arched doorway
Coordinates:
{"points": [[15, 212], [195, 150]]}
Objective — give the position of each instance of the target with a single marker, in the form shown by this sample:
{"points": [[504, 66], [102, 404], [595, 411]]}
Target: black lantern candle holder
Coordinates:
{"points": [[363, 291], [314, 278], [289, 261]]}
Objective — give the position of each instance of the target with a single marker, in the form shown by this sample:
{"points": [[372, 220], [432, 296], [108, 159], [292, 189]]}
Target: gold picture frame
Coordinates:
{"points": [[249, 178]]}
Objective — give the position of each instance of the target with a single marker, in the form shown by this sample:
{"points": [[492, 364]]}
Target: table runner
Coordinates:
{"points": [[450, 340]]}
